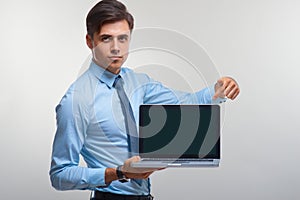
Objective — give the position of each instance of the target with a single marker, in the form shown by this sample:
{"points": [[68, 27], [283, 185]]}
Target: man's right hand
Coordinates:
{"points": [[137, 173], [129, 172]]}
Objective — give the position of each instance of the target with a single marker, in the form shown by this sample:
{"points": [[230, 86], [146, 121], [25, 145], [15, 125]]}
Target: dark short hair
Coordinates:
{"points": [[107, 11]]}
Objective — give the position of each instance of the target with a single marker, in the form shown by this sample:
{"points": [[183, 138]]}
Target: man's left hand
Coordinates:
{"points": [[226, 87]]}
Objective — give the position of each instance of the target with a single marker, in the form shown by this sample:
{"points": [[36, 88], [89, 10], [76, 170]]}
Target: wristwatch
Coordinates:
{"points": [[121, 177]]}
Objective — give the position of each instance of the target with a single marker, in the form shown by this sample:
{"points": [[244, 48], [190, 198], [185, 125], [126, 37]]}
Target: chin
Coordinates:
{"points": [[114, 68]]}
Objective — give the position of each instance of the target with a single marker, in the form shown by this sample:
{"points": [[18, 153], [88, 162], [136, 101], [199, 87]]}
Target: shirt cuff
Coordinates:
{"points": [[97, 177]]}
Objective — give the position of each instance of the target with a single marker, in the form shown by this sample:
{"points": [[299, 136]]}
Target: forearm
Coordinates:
{"points": [[75, 177], [205, 96]]}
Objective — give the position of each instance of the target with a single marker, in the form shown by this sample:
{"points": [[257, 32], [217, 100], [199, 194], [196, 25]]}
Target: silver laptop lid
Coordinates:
{"points": [[179, 131]]}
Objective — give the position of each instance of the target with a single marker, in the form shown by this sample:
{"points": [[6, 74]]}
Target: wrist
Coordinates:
{"points": [[120, 174], [110, 175]]}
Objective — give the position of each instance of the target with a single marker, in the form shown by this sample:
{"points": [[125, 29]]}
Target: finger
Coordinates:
{"points": [[149, 170], [236, 94], [142, 170], [233, 94], [140, 175], [226, 82], [146, 175], [231, 87], [136, 158], [221, 86]]}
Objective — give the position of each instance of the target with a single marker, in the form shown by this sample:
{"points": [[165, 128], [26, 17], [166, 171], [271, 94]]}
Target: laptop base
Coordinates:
{"points": [[145, 163]]}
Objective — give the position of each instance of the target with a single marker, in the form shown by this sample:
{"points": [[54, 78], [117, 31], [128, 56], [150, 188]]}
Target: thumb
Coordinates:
{"points": [[218, 91], [220, 83]]}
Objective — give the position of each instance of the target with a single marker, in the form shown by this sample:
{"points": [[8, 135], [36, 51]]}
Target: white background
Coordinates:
{"points": [[257, 42]]}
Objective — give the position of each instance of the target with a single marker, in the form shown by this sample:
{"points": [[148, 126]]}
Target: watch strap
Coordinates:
{"points": [[120, 175]]}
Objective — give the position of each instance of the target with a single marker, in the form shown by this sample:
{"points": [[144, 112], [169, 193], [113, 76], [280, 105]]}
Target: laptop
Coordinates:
{"points": [[179, 136]]}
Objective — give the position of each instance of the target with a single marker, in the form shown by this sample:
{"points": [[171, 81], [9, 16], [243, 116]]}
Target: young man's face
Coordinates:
{"points": [[110, 46]]}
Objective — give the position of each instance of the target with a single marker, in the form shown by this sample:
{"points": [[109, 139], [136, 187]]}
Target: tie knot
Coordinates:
{"points": [[118, 82]]}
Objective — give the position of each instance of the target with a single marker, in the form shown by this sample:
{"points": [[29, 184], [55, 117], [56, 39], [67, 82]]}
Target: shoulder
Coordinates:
{"points": [[132, 75], [78, 95]]}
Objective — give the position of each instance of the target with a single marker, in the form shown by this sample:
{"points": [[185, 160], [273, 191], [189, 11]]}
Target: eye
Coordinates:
{"points": [[123, 38], [106, 39]]}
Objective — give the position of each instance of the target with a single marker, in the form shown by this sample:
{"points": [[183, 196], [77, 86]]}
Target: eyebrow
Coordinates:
{"points": [[108, 35]]}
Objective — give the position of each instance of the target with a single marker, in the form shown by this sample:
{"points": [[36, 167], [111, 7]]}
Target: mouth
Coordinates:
{"points": [[115, 57]]}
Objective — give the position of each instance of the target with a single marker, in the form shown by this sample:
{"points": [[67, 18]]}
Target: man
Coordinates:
{"points": [[93, 120]]}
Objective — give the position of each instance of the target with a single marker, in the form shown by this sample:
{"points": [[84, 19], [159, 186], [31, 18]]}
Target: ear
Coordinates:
{"points": [[89, 41]]}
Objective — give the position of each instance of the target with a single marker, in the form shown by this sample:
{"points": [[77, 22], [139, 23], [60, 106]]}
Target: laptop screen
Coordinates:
{"points": [[179, 131]]}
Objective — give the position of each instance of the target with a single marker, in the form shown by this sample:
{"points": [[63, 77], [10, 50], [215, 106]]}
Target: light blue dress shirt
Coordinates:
{"points": [[90, 122]]}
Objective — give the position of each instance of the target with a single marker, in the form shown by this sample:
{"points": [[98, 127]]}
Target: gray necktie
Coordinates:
{"points": [[130, 125], [131, 131]]}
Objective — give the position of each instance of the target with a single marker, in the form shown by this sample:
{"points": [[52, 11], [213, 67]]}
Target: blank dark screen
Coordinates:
{"points": [[208, 122]]}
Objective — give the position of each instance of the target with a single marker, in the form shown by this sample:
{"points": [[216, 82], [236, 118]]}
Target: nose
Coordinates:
{"points": [[115, 49]]}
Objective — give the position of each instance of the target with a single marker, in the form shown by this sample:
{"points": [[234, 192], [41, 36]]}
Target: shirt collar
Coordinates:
{"points": [[103, 75]]}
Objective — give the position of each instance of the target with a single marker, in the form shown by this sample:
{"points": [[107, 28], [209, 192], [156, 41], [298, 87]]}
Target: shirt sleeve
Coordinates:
{"points": [[65, 174], [157, 93]]}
